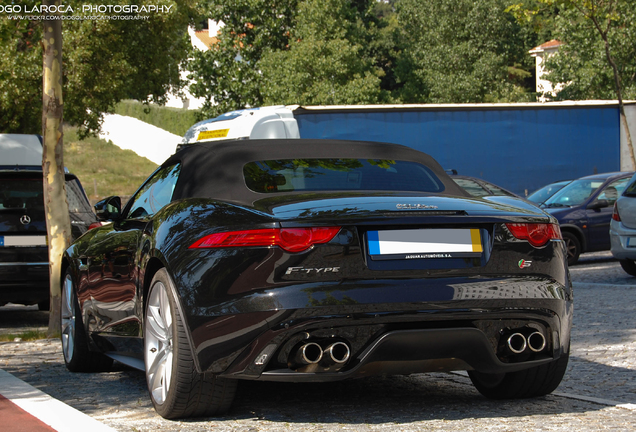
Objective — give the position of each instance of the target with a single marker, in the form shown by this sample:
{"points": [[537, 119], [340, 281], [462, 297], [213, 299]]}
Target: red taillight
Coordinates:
{"points": [[289, 239], [94, 225], [536, 234], [615, 215]]}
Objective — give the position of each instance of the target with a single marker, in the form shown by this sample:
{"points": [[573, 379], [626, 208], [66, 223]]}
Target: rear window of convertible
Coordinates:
{"points": [[289, 175]]}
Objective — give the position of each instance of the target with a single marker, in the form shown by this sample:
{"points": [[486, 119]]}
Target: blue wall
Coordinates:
{"points": [[517, 149]]}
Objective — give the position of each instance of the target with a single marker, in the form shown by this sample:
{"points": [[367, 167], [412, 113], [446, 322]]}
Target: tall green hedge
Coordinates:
{"points": [[174, 120]]}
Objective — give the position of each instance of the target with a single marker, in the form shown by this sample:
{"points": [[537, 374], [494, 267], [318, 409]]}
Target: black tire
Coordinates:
{"points": [[77, 355], [176, 389], [527, 383], [572, 246], [629, 266]]}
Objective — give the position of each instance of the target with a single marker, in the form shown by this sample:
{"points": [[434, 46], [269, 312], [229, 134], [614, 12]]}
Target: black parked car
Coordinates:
{"points": [[24, 262], [314, 260], [23, 252], [584, 210]]}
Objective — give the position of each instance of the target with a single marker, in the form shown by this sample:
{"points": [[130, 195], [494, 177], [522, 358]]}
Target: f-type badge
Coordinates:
{"points": [[524, 263], [415, 207], [25, 220], [308, 270]]}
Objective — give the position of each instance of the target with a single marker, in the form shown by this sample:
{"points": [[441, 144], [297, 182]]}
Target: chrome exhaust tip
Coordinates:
{"points": [[309, 353], [517, 343], [338, 352], [536, 341]]}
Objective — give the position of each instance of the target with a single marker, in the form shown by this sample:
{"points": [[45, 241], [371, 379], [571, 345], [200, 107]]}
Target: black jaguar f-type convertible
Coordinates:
{"points": [[315, 260]]}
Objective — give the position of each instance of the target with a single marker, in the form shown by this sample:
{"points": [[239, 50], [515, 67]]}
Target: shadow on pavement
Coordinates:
{"points": [[18, 319]]}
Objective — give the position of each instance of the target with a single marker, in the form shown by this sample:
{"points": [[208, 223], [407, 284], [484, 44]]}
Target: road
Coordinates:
{"points": [[598, 392]]}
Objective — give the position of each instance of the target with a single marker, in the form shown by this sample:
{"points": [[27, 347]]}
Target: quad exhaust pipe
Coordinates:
{"points": [[338, 352], [517, 342], [311, 353], [536, 341]]}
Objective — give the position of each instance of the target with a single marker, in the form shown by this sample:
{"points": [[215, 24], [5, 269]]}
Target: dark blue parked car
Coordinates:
{"points": [[584, 209]]}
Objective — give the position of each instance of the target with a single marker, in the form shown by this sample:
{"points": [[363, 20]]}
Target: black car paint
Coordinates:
{"points": [[237, 302]]}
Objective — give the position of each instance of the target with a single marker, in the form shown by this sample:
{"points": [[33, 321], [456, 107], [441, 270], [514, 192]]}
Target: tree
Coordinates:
{"points": [[327, 60], [137, 59], [58, 222], [459, 51], [596, 60], [110, 59], [296, 51], [226, 75], [20, 75], [106, 60]]}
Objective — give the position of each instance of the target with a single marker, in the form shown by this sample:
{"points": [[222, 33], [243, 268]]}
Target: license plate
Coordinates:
{"points": [[22, 241], [424, 244], [631, 242]]}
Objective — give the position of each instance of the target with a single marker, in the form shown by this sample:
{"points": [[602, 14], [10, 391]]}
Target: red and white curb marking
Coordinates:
{"points": [[48, 410]]}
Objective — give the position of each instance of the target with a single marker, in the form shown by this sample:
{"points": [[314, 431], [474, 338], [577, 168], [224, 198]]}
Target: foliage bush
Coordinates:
{"points": [[174, 120]]}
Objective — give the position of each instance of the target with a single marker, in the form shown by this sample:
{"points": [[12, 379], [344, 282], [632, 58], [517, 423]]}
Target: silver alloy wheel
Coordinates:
{"points": [[68, 319], [158, 343]]}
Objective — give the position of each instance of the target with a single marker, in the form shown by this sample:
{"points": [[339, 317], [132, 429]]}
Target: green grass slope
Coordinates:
{"points": [[103, 168]]}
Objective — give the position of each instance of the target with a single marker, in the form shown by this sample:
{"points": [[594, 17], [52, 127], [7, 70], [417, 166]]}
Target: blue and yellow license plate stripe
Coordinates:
{"points": [[475, 238], [432, 243]]}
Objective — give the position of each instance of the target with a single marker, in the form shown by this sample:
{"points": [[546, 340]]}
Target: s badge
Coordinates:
{"points": [[524, 263]]}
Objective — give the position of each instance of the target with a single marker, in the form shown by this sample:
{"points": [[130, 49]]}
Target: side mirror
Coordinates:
{"points": [[598, 204], [108, 208]]}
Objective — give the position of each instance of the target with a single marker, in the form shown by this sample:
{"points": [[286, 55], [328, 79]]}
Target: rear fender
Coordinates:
{"points": [[576, 231]]}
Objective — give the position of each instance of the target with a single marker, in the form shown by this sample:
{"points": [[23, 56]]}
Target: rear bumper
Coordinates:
{"points": [[24, 283], [403, 352], [619, 238], [390, 326]]}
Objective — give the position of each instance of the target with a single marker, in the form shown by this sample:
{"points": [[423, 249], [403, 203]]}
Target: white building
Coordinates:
{"points": [[202, 40], [541, 54]]}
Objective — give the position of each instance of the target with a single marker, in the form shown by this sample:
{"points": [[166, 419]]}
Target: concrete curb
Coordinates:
{"points": [[590, 285], [52, 412]]}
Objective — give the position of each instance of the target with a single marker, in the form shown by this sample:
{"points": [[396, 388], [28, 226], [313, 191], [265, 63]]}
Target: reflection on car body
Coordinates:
{"points": [[481, 188], [315, 260]]}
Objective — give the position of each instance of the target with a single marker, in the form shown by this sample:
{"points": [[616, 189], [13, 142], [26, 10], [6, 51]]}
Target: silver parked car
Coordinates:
{"points": [[623, 228]]}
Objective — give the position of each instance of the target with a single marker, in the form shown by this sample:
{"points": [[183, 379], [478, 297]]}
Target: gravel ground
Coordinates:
{"points": [[602, 366]]}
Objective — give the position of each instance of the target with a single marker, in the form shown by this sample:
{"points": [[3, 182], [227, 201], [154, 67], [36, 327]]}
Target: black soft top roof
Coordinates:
{"points": [[215, 169]]}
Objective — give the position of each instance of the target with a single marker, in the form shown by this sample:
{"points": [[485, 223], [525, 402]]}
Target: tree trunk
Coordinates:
{"points": [[619, 94], [58, 223]]}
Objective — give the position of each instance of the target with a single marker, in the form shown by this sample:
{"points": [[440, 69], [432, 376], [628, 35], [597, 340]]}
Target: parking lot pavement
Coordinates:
{"points": [[598, 392]]}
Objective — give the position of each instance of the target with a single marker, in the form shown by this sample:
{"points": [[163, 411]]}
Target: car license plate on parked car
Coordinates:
{"points": [[22, 241], [424, 244], [631, 242]]}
